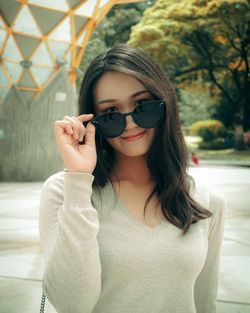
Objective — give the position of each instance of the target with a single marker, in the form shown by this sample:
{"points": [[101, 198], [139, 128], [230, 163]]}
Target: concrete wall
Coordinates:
{"points": [[27, 146]]}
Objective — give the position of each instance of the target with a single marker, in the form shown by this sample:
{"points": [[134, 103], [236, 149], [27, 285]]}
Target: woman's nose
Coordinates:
{"points": [[130, 122]]}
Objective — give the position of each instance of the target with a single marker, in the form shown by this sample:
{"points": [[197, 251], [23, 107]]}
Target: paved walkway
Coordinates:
{"points": [[234, 282], [21, 264]]}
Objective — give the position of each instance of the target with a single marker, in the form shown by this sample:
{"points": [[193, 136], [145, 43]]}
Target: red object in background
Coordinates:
{"points": [[195, 159]]}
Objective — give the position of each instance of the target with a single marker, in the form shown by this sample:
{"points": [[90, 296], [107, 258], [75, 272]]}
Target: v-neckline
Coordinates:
{"points": [[123, 208], [134, 219]]}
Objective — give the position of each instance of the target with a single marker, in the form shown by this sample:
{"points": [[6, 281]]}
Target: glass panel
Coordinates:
{"points": [[81, 39], [73, 3], [25, 23], [27, 44], [11, 51], [2, 37], [9, 10], [14, 70], [46, 19], [87, 9], [3, 78], [69, 60], [3, 92], [41, 74], [103, 3], [80, 22], [2, 25], [58, 48], [60, 5], [62, 32], [27, 80], [41, 56]]}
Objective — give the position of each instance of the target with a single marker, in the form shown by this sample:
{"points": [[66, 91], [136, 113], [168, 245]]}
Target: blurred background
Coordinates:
{"points": [[45, 48]]}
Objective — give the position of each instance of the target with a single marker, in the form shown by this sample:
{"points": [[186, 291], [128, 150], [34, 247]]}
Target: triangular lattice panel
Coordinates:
{"points": [[37, 37]]}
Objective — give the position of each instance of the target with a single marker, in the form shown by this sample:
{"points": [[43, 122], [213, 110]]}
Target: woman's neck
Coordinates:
{"points": [[132, 169]]}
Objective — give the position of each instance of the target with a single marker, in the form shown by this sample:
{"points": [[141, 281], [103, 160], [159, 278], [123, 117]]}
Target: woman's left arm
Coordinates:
{"points": [[206, 286]]}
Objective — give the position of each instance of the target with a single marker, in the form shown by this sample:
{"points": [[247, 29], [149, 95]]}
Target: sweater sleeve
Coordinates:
{"points": [[68, 227], [206, 286]]}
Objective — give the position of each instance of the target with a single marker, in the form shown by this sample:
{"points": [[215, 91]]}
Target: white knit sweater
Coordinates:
{"points": [[99, 258]]}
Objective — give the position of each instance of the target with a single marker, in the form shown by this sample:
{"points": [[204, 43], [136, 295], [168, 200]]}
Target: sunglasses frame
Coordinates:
{"points": [[124, 115]]}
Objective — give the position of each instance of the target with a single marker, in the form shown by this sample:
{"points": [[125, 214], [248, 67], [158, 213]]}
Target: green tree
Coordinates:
{"points": [[204, 41], [196, 104], [115, 28]]}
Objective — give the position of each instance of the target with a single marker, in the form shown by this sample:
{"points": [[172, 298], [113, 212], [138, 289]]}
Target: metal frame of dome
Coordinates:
{"points": [[37, 37]]}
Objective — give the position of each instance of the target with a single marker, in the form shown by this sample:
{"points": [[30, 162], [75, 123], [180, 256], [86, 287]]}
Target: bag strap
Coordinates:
{"points": [[42, 303]]}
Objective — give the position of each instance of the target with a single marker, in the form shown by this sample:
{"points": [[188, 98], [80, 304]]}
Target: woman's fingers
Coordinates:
{"points": [[63, 126], [78, 127], [74, 127], [90, 135], [70, 133], [85, 117]]}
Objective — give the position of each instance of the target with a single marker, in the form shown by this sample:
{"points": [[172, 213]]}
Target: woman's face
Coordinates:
{"points": [[121, 92]]}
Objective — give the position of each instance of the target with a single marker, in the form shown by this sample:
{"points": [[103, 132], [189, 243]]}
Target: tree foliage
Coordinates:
{"points": [[196, 98], [206, 41], [115, 28]]}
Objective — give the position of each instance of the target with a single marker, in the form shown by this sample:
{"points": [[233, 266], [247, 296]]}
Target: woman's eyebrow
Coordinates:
{"points": [[105, 101], [132, 96], [138, 93]]}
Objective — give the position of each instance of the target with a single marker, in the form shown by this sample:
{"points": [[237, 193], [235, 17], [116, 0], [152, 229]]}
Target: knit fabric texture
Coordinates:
{"points": [[100, 258]]}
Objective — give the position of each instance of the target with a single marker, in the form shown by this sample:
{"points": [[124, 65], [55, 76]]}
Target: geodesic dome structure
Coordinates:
{"points": [[42, 43], [37, 37]]}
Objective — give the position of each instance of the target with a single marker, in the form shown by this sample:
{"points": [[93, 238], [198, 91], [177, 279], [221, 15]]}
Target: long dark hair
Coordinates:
{"points": [[167, 158]]}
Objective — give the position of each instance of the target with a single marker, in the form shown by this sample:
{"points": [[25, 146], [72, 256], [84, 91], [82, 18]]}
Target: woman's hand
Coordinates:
{"points": [[69, 133]]}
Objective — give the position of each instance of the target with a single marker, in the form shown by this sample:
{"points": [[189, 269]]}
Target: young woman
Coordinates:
{"points": [[123, 227]]}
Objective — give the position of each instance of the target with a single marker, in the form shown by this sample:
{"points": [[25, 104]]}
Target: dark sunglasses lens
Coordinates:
{"points": [[149, 114], [110, 124]]}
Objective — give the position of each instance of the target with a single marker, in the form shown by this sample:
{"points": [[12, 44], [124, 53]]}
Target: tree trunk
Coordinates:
{"points": [[239, 143]]}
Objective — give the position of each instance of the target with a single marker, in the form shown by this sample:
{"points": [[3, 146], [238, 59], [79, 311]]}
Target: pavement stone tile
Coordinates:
{"points": [[229, 307], [24, 296]]}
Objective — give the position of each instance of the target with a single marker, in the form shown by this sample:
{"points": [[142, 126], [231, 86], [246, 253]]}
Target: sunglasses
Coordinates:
{"points": [[147, 114]]}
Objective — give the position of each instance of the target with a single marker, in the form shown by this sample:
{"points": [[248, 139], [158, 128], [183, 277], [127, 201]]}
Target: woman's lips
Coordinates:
{"points": [[134, 137]]}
